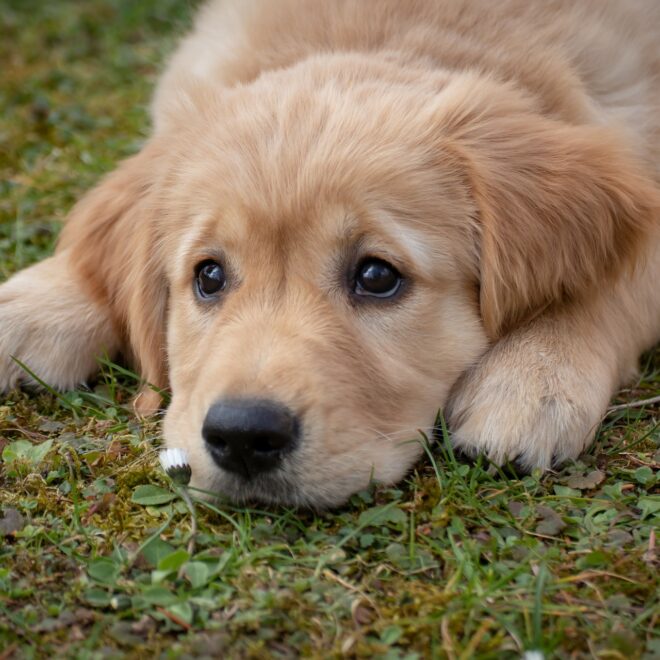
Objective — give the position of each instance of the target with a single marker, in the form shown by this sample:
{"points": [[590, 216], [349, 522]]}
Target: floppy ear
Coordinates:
{"points": [[561, 207], [114, 244]]}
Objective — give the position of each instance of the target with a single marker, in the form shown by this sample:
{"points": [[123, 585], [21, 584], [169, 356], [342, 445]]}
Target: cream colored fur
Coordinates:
{"points": [[504, 156]]}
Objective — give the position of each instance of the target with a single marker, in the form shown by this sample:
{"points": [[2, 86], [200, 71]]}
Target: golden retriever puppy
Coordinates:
{"points": [[352, 213]]}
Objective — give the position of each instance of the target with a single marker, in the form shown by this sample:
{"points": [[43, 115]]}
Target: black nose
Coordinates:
{"points": [[249, 436]]}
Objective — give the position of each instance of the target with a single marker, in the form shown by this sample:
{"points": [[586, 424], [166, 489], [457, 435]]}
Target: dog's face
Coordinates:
{"points": [[321, 300], [319, 255], [306, 350]]}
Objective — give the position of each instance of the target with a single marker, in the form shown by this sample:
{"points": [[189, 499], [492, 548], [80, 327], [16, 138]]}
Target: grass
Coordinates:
{"points": [[459, 561]]}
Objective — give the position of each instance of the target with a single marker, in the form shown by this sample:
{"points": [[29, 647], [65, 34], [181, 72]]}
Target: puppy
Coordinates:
{"points": [[352, 213]]}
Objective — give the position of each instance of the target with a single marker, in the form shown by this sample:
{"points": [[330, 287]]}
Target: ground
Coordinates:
{"points": [[459, 561]]}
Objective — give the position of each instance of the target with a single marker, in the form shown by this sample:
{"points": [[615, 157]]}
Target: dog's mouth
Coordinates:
{"points": [[278, 486], [288, 480]]}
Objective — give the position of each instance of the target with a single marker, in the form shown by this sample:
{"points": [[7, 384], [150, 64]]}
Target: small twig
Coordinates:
{"points": [[347, 585], [581, 577], [472, 645], [634, 459], [649, 555], [447, 641], [174, 618], [28, 434], [8, 652], [634, 404]]}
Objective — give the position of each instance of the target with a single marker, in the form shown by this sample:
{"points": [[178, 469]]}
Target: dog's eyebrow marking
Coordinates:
{"points": [[413, 242], [198, 240], [193, 237]]}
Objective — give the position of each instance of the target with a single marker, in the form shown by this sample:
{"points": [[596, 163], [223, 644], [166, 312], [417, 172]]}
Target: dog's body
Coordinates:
{"points": [[497, 163]]}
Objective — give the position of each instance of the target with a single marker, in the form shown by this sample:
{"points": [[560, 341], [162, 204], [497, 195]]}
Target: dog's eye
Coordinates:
{"points": [[377, 278], [209, 278]]}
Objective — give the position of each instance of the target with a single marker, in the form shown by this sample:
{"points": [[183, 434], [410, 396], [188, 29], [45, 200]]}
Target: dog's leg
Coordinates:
{"points": [[49, 322], [538, 395]]}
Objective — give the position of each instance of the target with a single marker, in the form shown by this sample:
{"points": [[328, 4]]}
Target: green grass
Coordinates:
{"points": [[459, 561]]}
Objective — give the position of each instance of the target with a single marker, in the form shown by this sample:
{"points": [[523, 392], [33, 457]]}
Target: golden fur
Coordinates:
{"points": [[504, 156]]}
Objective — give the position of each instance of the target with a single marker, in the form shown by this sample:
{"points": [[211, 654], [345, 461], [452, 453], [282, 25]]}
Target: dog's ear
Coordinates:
{"points": [[561, 207], [114, 245]]}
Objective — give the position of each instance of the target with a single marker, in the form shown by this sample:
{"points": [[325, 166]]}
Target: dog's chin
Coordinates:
{"points": [[278, 487]]}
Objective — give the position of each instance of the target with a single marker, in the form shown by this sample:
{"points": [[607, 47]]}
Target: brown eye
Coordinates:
{"points": [[209, 279], [376, 278]]}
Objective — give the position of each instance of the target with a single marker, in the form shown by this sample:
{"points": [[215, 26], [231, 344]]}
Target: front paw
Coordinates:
{"points": [[48, 323], [15, 331], [523, 404]]}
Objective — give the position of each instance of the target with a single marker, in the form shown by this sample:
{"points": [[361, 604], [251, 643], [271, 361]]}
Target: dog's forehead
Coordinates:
{"points": [[260, 185], [283, 150], [241, 230]]}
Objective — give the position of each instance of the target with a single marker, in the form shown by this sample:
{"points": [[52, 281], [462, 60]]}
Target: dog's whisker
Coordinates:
{"points": [[412, 434]]}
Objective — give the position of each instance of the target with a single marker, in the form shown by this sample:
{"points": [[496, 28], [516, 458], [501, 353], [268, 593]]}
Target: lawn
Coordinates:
{"points": [[460, 561]]}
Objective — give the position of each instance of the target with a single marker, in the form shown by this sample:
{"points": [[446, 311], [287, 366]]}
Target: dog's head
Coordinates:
{"points": [[313, 259]]}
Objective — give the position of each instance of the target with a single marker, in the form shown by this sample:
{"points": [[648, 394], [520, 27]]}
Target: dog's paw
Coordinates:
{"points": [[525, 404], [48, 324]]}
